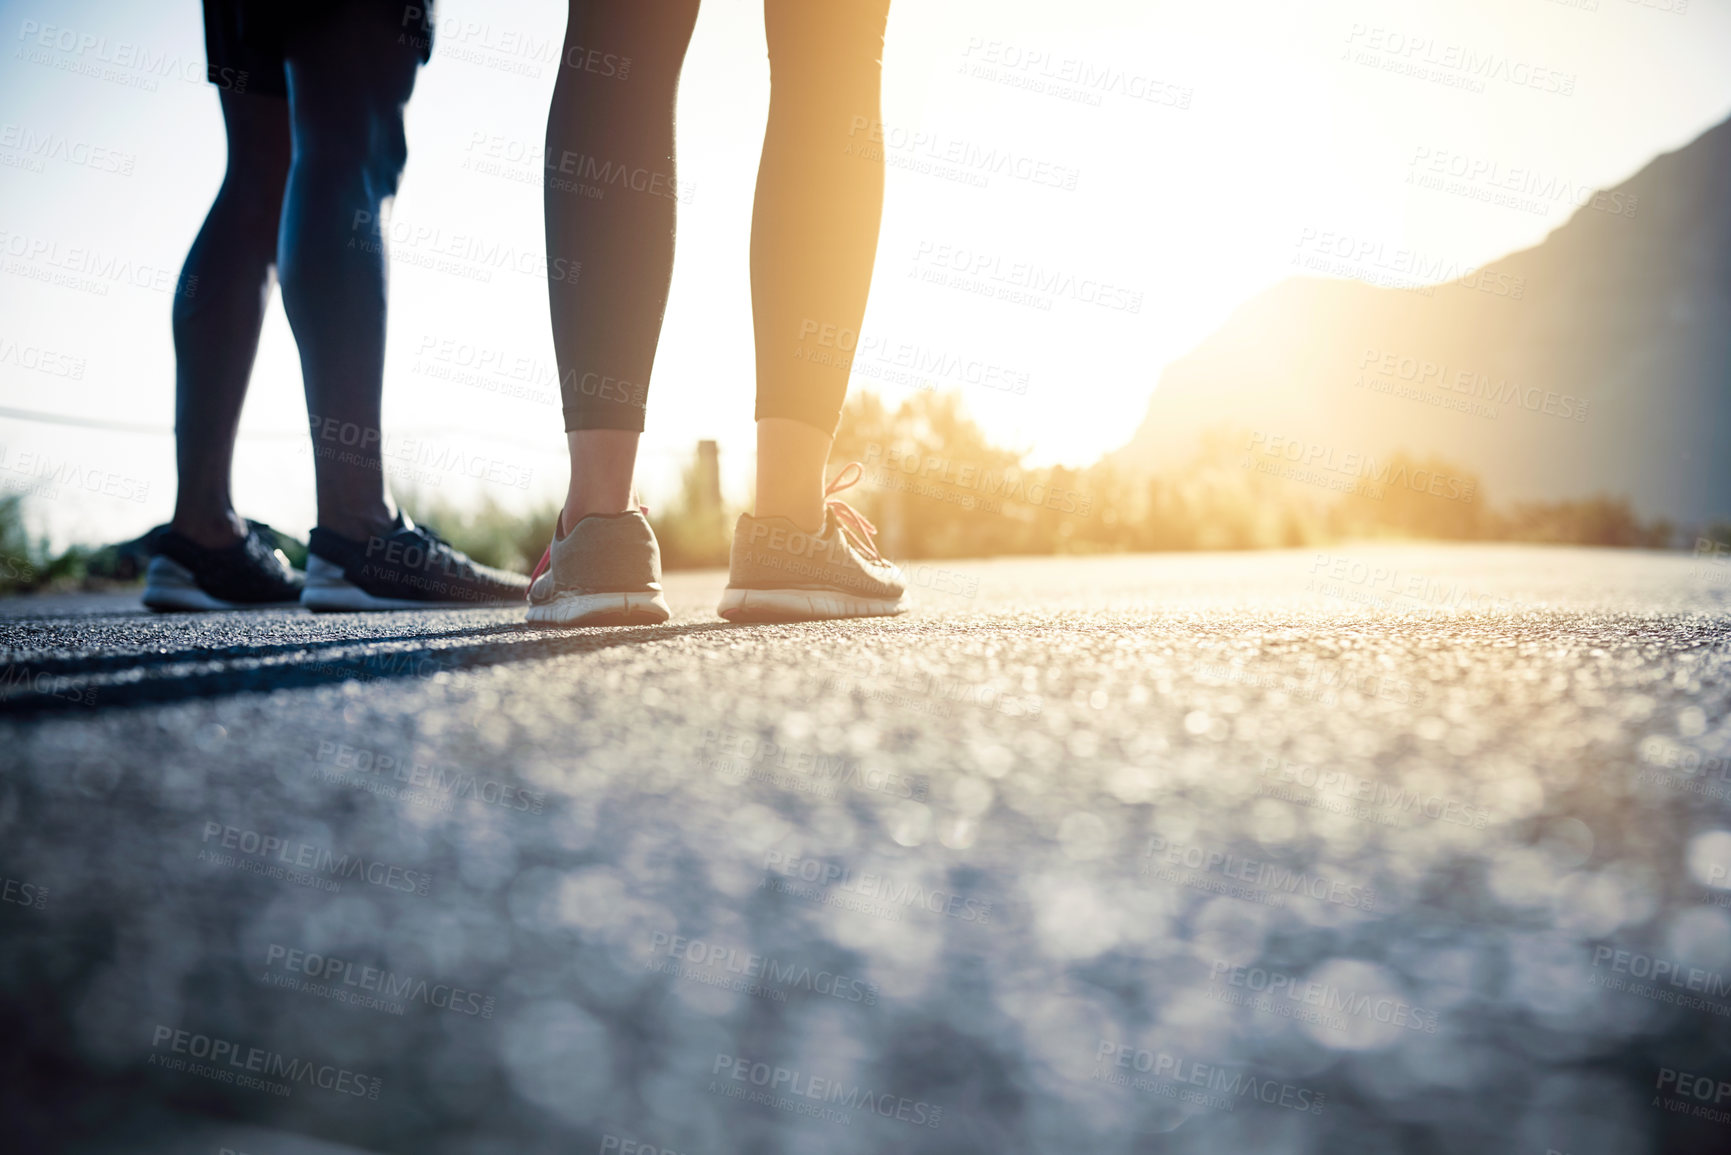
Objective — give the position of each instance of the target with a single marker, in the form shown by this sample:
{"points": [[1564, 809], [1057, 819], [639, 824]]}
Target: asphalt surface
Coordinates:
{"points": [[1391, 850]]}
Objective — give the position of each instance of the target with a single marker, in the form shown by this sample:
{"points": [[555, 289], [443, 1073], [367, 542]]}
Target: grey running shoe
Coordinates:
{"points": [[780, 573], [605, 572]]}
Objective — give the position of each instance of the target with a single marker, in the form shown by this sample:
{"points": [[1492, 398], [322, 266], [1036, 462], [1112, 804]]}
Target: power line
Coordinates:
{"points": [[270, 434], [81, 422]]}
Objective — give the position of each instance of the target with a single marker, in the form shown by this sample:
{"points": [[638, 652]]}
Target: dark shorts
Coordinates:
{"points": [[246, 41]]}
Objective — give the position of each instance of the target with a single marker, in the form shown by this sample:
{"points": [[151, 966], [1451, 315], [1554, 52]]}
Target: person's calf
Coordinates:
{"points": [[347, 90], [334, 293], [791, 456], [218, 312], [603, 462]]}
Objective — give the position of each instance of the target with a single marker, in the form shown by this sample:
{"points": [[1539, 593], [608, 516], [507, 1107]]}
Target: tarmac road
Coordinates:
{"points": [[1386, 850]]}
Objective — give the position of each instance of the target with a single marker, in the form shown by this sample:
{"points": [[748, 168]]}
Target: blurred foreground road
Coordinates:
{"points": [[1384, 850]]}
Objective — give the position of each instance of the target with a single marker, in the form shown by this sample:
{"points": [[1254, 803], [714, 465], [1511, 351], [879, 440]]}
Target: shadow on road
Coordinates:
{"points": [[98, 681], [115, 663]]}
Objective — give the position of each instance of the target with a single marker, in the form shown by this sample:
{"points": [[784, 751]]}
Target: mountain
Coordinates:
{"points": [[1625, 308]]}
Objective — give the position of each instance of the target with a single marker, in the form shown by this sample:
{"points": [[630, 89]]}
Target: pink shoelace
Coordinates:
{"points": [[853, 523]]}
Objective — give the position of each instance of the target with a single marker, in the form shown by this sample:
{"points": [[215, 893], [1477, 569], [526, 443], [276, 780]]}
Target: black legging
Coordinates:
{"points": [[612, 192]]}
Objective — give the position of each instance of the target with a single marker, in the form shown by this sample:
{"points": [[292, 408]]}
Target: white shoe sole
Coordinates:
{"points": [[169, 587], [327, 591], [804, 605], [616, 609]]}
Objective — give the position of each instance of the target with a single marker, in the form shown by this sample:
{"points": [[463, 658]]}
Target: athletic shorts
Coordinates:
{"points": [[246, 41]]}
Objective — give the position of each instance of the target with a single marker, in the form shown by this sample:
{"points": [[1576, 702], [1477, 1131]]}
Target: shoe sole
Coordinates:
{"points": [[804, 605], [615, 609], [169, 587], [328, 592]]}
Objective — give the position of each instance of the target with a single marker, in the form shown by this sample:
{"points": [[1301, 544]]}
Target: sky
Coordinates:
{"points": [[1077, 194]]}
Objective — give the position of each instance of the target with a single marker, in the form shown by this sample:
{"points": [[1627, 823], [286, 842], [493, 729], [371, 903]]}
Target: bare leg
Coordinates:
{"points": [[217, 318], [814, 234], [347, 89], [790, 460], [602, 462]]}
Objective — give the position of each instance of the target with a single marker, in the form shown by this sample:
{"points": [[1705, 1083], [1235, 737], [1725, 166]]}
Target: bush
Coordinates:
{"points": [[938, 488]]}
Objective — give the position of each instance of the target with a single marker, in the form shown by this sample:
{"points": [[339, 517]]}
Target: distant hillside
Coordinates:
{"points": [[1626, 307]]}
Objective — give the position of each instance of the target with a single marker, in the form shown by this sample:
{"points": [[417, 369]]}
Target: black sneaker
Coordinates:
{"points": [[408, 568], [252, 572]]}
